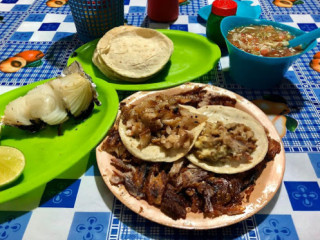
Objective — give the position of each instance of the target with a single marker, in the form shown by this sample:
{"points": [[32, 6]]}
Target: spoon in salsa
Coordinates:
{"points": [[303, 39]]}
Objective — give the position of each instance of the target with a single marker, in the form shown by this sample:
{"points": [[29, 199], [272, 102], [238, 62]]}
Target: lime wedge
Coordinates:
{"points": [[12, 163]]}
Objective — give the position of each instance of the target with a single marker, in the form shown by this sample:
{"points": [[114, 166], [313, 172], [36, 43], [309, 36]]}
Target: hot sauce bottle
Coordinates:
{"points": [[163, 10], [220, 9]]}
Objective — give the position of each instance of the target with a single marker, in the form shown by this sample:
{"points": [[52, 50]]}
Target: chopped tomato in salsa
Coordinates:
{"points": [[263, 40]]}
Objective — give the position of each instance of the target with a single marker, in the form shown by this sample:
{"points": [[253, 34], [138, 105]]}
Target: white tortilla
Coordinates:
{"points": [[132, 54], [232, 115], [155, 153]]}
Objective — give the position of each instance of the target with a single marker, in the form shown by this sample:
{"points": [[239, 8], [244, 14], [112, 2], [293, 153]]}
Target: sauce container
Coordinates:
{"points": [[253, 71], [220, 9], [163, 10]]}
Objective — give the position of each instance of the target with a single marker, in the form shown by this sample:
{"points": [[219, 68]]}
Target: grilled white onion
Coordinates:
{"points": [[51, 102], [76, 92], [17, 113], [45, 104]]}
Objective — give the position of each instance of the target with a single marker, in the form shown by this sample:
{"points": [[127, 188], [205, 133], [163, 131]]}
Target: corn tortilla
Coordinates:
{"points": [[153, 152], [232, 115], [132, 54]]}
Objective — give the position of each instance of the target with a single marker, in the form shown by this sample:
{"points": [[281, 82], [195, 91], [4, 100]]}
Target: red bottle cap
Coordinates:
{"points": [[224, 8]]}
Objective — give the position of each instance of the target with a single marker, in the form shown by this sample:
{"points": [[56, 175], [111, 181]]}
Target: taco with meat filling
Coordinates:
{"points": [[180, 193], [160, 129], [232, 141]]}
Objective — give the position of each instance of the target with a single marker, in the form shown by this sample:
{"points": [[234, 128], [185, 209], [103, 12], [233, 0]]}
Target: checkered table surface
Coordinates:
{"points": [[78, 205]]}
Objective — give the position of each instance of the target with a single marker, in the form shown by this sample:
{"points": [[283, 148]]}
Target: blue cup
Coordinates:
{"points": [[94, 18], [257, 72]]}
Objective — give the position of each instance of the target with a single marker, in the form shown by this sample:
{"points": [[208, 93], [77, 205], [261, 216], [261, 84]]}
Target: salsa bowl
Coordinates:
{"points": [[253, 71]]}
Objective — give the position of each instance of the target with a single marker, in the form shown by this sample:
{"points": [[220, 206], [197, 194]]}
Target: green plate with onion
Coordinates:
{"points": [[48, 154]]}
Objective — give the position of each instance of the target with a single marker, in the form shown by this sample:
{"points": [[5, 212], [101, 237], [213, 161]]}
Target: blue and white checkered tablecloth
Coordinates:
{"points": [[78, 205]]}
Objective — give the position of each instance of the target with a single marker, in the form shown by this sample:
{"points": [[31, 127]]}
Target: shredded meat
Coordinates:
{"points": [[114, 144], [273, 149], [189, 177], [232, 143], [134, 181], [121, 165], [161, 120], [155, 185], [116, 179], [181, 187], [199, 97], [173, 204], [175, 169]]}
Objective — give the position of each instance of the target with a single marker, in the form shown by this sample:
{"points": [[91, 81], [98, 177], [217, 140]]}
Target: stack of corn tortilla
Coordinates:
{"points": [[132, 54]]}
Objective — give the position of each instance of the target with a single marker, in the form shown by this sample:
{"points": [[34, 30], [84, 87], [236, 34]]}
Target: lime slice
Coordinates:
{"points": [[12, 163]]}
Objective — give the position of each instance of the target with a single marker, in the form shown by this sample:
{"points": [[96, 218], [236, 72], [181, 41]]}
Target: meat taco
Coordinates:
{"points": [[160, 129], [231, 142], [180, 193]]}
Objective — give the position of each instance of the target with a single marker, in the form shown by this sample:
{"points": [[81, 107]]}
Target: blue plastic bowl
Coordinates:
{"points": [[257, 72]]}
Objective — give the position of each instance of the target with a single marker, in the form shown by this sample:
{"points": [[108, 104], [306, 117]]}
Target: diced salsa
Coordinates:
{"points": [[263, 40]]}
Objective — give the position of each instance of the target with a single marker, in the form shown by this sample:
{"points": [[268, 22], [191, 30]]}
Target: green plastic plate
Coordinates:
{"points": [[193, 56], [47, 154]]}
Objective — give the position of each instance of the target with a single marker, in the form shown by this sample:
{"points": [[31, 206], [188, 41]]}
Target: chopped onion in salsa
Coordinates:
{"points": [[263, 40]]}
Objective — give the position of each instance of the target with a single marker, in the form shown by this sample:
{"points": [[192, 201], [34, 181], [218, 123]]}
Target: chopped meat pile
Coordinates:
{"points": [[181, 187], [199, 97], [232, 143]]}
